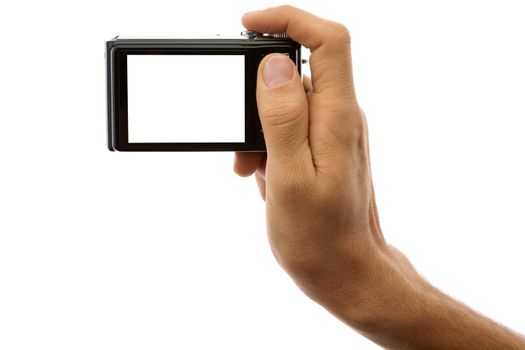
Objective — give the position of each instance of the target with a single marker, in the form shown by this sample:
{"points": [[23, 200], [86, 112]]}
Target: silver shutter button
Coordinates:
{"points": [[250, 34]]}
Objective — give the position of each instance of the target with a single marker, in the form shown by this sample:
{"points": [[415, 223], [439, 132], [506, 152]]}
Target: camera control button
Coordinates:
{"points": [[250, 34]]}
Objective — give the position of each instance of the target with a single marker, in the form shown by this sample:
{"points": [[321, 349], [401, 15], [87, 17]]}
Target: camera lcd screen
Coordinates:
{"points": [[186, 98]]}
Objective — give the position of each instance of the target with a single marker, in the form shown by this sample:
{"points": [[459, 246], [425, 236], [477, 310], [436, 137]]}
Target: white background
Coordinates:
{"points": [[103, 250], [182, 98]]}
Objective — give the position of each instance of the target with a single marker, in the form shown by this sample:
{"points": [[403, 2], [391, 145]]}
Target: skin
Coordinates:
{"points": [[322, 220]]}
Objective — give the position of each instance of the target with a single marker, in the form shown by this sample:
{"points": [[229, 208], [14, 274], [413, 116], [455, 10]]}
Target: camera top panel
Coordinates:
{"points": [[246, 38]]}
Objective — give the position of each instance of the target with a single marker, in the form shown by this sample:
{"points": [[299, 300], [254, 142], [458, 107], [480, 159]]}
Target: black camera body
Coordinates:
{"points": [[183, 94]]}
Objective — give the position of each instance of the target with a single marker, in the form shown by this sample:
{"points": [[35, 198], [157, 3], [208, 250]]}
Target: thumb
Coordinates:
{"points": [[283, 109]]}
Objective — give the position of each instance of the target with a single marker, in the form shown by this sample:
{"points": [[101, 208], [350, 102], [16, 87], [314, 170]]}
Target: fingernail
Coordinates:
{"points": [[278, 70]]}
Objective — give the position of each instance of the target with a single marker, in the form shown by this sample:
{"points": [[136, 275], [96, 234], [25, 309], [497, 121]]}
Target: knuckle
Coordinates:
{"points": [[286, 8], [357, 129], [279, 115], [341, 33]]}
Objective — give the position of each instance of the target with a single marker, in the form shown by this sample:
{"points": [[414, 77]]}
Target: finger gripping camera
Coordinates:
{"points": [[188, 94]]}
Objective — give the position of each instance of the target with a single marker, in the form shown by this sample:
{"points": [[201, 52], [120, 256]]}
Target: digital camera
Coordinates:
{"points": [[188, 94]]}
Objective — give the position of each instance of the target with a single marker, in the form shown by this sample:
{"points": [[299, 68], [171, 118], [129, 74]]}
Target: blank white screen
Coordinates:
{"points": [[185, 98]]}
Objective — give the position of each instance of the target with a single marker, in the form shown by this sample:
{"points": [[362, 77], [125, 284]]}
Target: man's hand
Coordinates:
{"points": [[322, 219]]}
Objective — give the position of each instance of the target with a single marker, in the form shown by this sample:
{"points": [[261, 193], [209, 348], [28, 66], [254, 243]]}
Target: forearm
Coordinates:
{"points": [[411, 314], [446, 323]]}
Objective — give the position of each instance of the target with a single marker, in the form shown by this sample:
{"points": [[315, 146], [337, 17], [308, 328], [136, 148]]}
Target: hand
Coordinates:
{"points": [[323, 225], [322, 220]]}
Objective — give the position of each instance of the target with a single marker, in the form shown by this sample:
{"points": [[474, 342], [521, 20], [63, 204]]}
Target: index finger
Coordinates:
{"points": [[329, 42]]}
